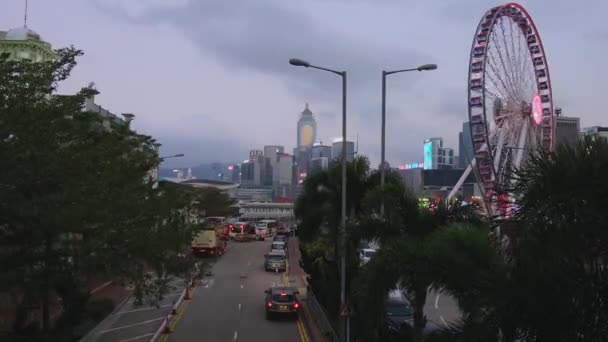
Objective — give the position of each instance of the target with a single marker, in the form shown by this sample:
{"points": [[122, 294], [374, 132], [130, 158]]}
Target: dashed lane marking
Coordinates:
{"points": [[437, 302]]}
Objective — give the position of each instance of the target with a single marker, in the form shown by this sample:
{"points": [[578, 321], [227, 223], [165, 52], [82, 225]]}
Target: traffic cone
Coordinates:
{"points": [[167, 329], [187, 295]]}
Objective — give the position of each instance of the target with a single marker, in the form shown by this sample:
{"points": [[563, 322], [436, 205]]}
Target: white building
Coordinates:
{"points": [[436, 156], [270, 211]]}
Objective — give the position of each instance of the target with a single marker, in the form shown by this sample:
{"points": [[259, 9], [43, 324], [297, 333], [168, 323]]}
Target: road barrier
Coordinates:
{"points": [[320, 317]]}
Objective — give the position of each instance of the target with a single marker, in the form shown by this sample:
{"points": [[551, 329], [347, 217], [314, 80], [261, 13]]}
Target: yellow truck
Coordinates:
{"points": [[207, 243]]}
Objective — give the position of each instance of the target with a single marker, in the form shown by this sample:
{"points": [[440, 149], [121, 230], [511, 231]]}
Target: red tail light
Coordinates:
{"points": [[296, 305], [269, 304]]}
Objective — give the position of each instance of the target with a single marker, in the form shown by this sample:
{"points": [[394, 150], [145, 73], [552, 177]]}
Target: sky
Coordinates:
{"points": [[211, 79]]}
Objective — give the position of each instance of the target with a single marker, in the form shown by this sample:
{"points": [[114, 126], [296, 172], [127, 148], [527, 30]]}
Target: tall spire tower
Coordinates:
{"points": [[307, 128]]}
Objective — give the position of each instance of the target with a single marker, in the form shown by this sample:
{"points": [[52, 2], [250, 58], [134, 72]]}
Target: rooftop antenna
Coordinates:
{"points": [[25, 16]]}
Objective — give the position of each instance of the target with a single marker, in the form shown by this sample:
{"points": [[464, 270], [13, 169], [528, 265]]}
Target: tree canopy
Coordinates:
{"points": [[76, 199]]}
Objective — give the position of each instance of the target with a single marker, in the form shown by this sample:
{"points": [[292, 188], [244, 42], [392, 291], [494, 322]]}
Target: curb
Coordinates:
{"points": [[169, 317]]}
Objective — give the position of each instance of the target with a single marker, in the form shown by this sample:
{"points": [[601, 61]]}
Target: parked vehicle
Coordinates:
{"points": [[282, 301], [206, 243], [279, 245], [366, 254], [275, 261]]}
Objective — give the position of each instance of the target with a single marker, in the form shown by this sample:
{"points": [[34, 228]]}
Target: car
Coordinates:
{"points": [[282, 301], [278, 245], [283, 238], [366, 254], [400, 317], [397, 311], [275, 261]]}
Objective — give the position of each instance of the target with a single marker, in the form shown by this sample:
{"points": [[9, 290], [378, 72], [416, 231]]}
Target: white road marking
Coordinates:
{"points": [[136, 337], [236, 335], [131, 325], [443, 321], [144, 309], [241, 285], [239, 306], [437, 302]]}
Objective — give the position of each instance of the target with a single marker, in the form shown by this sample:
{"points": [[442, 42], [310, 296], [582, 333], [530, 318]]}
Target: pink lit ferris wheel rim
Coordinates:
{"points": [[501, 75]]}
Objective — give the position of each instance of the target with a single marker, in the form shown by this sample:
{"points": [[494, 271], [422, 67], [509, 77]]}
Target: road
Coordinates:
{"points": [[229, 304]]}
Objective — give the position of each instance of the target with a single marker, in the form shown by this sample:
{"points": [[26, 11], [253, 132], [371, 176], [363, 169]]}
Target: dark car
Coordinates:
{"points": [[275, 261], [400, 318], [398, 311], [282, 301]]}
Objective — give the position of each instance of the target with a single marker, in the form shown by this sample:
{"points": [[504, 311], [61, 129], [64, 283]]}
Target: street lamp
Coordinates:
{"points": [[424, 67], [162, 159], [302, 63]]}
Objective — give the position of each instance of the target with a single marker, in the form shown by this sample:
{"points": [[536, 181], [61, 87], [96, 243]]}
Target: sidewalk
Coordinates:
{"points": [[297, 278], [130, 322]]}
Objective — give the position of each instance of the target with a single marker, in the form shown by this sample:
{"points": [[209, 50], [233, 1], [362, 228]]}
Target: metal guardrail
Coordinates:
{"points": [[321, 318]]}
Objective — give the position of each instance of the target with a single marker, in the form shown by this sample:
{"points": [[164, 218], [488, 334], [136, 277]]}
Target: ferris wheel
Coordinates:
{"points": [[509, 98]]}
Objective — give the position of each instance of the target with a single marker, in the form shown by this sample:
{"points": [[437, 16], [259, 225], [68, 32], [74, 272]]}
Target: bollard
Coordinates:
{"points": [[167, 329]]}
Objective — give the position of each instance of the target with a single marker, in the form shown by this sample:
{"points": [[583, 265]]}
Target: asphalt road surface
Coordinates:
{"points": [[228, 305]]}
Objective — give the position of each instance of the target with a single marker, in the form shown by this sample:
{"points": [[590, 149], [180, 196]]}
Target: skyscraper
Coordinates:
{"points": [[567, 129], [465, 146], [321, 151], [436, 156], [307, 128], [336, 152]]}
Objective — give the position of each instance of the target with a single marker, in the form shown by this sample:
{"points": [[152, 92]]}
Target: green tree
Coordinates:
{"points": [[318, 210], [407, 235], [210, 201], [75, 196], [550, 282]]}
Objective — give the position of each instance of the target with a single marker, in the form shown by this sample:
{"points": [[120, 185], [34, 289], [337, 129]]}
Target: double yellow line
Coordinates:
{"points": [[300, 325]]}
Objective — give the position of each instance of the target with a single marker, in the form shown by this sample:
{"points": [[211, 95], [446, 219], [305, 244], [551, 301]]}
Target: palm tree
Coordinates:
{"points": [[408, 235], [318, 211], [552, 283]]}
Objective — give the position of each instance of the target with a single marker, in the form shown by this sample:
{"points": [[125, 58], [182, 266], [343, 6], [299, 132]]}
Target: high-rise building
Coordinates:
{"points": [[567, 129], [321, 151], [465, 146], [254, 154], [336, 152], [271, 151], [250, 173], [283, 175], [319, 164], [307, 128], [595, 132], [436, 156], [22, 43]]}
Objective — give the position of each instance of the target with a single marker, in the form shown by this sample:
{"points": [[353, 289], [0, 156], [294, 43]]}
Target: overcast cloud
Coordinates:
{"points": [[210, 78]]}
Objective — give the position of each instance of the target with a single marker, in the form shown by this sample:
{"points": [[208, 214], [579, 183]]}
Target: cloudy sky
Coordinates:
{"points": [[210, 78]]}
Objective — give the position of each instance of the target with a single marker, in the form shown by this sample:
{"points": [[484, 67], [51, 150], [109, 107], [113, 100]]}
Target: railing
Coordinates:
{"points": [[320, 317]]}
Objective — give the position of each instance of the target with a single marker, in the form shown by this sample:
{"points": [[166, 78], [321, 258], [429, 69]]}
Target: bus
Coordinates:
{"points": [[270, 225]]}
